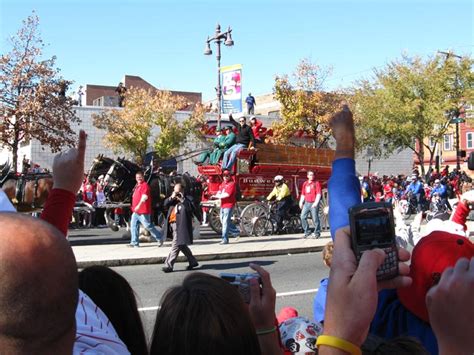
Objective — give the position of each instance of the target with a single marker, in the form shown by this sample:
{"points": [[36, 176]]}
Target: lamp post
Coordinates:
{"points": [[218, 38], [457, 119], [370, 158]]}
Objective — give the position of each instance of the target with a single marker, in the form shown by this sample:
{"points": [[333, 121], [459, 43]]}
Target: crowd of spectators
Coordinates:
{"points": [[47, 308], [446, 185]]}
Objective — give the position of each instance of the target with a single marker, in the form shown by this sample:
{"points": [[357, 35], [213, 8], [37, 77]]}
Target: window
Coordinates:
{"points": [[432, 142], [448, 142], [469, 140]]}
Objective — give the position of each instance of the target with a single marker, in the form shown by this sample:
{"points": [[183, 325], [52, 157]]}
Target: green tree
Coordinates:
{"points": [[410, 102], [33, 102], [305, 104], [148, 120]]}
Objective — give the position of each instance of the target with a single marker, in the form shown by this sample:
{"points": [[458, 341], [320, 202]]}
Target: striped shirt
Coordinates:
{"points": [[94, 332]]}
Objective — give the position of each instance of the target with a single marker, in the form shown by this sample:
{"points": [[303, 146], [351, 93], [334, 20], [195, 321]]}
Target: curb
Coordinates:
{"points": [[202, 257]]}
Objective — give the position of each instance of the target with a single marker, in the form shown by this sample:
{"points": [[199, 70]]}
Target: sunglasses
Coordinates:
{"points": [[242, 121]]}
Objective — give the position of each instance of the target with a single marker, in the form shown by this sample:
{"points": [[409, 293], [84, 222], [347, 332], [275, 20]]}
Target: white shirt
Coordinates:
{"points": [[94, 332]]}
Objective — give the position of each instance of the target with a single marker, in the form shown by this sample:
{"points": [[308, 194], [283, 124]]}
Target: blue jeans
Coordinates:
{"points": [[228, 227], [307, 209], [145, 220], [230, 155]]}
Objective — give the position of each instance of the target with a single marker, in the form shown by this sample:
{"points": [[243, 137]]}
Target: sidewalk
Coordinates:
{"points": [[203, 249]]}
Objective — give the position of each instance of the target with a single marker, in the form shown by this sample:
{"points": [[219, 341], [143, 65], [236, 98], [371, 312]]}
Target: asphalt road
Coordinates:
{"points": [[294, 277]]}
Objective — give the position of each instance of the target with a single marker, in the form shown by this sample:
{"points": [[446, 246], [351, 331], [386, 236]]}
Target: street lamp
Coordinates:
{"points": [[457, 119], [370, 158], [218, 38]]}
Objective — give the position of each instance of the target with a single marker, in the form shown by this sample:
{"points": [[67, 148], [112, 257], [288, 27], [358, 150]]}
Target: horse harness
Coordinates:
{"points": [[20, 189]]}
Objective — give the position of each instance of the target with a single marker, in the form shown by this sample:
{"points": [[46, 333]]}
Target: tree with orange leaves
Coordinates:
{"points": [[148, 122], [305, 106], [33, 101]]}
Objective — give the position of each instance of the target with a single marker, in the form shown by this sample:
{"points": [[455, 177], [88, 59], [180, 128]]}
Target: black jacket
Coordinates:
{"points": [[245, 136], [184, 220]]}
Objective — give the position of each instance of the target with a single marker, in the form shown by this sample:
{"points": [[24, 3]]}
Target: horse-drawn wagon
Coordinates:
{"points": [[254, 172]]}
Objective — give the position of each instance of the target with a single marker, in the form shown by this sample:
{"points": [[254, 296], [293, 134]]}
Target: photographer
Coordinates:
{"points": [[179, 222]]}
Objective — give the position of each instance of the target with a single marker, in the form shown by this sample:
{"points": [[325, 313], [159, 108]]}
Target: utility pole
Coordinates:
{"points": [[454, 117]]}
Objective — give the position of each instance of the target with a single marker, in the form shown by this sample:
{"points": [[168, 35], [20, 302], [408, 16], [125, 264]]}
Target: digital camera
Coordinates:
{"points": [[241, 282]]}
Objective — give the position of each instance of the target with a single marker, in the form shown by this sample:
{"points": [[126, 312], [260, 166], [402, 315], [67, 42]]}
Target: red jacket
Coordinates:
{"points": [[256, 128]]}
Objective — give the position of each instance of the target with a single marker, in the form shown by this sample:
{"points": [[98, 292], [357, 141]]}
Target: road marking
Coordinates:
{"points": [[281, 294], [294, 293]]}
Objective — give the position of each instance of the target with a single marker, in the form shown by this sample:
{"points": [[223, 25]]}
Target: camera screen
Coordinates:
{"points": [[373, 229]]}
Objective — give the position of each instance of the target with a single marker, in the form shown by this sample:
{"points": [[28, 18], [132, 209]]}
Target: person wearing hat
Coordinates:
{"points": [[227, 140], [404, 311], [244, 139], [230, 137], [227, 193], [282, 195], [256, 125], [416, 192], [442, 191], [213, 154], [398, 313]]}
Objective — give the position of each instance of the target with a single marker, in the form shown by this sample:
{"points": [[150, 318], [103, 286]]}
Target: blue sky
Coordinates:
{"points": [[98, 41]]}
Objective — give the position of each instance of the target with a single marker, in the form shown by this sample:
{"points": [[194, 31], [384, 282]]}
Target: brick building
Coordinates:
{"points": [[446, 148], [104, 95]]}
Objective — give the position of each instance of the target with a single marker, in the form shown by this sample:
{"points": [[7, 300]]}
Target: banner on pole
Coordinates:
{"points": [[231, 78]]}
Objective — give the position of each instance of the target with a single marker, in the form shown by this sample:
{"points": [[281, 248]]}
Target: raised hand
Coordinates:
{"points": [[68, 166]]}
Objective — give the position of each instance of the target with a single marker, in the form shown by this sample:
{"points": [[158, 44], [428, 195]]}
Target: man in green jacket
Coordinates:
{"points": [[217, 144], [229, 140]]}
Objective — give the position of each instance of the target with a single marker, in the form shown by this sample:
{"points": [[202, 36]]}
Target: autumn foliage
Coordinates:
{"points": [[33, 102], [148, 122], [305, 105], [410, 103]]}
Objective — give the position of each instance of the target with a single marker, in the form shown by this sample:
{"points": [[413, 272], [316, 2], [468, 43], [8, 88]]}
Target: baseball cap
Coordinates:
{"points": [[286, 313], [431, 256]]}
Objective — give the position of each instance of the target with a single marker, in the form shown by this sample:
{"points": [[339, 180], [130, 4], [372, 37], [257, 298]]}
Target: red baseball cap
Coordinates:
{"points": [[431, 256], [286, 313]]}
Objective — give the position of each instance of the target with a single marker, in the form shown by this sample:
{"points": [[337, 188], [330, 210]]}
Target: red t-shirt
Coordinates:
{"points": [[460, 215], [229, 188], [310, 190], [138, 192], [88, 192], [387, 190]]}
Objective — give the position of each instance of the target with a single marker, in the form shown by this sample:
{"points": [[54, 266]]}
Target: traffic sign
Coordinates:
{"points": [[457, 120]]}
